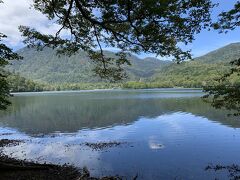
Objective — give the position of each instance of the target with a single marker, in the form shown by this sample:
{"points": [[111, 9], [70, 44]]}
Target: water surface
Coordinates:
{"points": [[165, 133]]}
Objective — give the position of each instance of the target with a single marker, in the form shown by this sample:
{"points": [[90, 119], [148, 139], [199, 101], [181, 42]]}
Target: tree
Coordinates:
{"points": [[228, 20], [6, 54], [153, 26], [225, 94]]}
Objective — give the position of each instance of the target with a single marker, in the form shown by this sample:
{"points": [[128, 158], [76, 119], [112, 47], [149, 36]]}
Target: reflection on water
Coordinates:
{"points": [[169, 133], [68, 112]]}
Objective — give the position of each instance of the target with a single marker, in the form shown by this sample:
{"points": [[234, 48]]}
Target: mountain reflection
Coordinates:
{"points": [[70, 112]]}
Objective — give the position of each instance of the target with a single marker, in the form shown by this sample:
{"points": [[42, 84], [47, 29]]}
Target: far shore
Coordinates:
{"points": [[99, 90]]}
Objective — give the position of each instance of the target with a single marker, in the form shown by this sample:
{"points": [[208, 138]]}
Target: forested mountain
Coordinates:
{"points": [[190, 74], [195, 73], [46, 66], [224, 54], [63, 72]]}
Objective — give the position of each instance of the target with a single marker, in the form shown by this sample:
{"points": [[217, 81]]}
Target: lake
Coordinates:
{"points": [[155, 134]]}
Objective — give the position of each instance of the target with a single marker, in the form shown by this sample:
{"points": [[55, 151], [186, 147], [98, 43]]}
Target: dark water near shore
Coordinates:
{"points": [[165, 133]]}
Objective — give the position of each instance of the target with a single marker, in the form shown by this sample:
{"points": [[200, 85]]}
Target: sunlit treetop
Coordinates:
{"points": [[152, 26]]}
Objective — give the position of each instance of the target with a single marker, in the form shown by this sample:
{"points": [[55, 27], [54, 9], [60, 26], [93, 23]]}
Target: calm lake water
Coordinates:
{"points": [[163, 133]]}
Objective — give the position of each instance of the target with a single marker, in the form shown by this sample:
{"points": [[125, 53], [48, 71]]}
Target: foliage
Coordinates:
{"points": [[190, 74], [18, 83], [6, 54], [226, 94], [228, 20], [155, 26]]}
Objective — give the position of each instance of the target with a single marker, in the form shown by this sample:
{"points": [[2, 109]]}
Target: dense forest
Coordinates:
{"points": [[50, 72], [18, 83]]}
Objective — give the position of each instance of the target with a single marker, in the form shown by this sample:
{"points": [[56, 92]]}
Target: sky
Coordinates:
{"points": [[19, 12]]}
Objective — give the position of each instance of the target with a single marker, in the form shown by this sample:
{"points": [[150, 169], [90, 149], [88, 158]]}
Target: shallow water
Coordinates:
{"points": [[165, 133]]}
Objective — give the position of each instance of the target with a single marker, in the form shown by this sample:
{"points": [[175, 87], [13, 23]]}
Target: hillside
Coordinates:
{"points": [[46, 66], [224, 54], [196, 73], [190, 74], [61, 73]]}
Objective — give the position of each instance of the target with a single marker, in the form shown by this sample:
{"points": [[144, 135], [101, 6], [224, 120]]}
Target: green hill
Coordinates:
{"points": [[190, 74], [224, 54], [196, 73], [60, 73], [46, 66]]}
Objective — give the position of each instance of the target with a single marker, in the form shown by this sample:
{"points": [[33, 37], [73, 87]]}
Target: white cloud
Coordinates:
{"points": [[20, 12]]}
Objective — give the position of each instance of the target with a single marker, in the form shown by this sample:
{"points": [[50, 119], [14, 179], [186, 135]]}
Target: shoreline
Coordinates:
{"points": [[11, 168], [102, 90]]}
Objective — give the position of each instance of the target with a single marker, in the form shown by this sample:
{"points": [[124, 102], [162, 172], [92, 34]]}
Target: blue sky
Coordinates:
{"points": [[210, 40], [207, 41], [14, 13]]}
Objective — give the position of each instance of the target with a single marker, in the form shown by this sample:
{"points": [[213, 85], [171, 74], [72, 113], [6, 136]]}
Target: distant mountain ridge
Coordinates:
{"points": [[224, 54], [46, 66]]}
